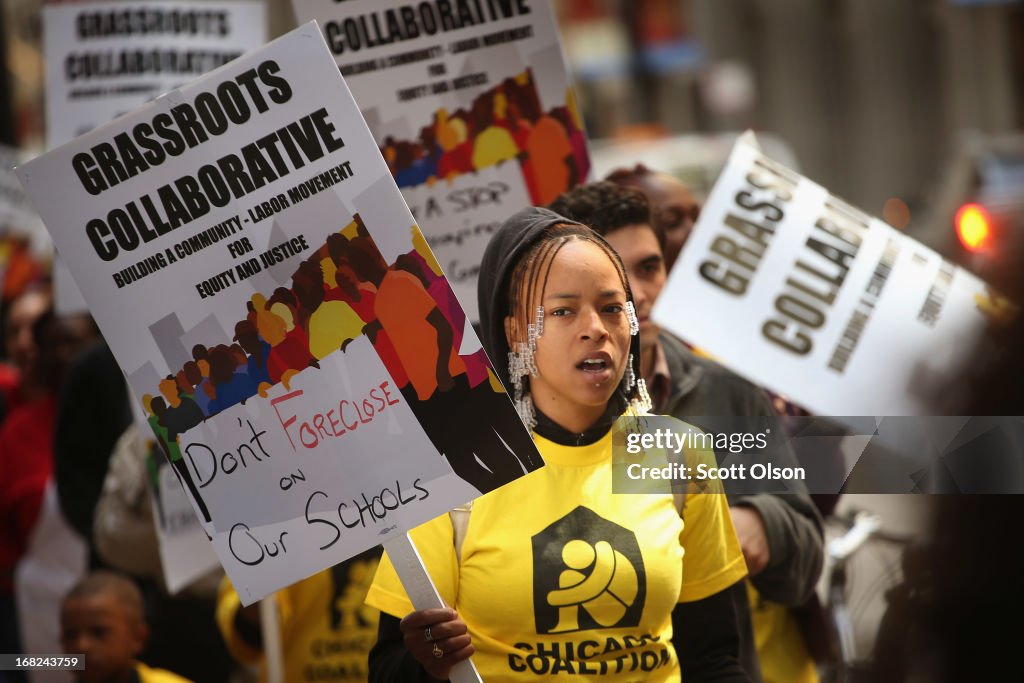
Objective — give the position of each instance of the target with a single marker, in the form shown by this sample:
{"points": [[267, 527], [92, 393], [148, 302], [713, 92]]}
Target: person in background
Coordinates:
{"points": [[92, 413], [781, 535], [674, 209], [22, 481], [327, 630], [101, 618], [184, 638], [26, 435], [16, 384]]}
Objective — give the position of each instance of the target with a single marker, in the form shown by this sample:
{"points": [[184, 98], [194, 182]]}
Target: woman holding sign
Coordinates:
{"points": [[553, 574]]}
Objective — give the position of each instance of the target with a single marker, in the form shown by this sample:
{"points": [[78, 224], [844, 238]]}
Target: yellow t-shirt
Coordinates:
{"points": [[561, 578], [150, 675], [327, 630], [780, 646]]}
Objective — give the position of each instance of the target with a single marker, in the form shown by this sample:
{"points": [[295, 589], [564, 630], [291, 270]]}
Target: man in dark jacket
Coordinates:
{"points": [[781, 534]]}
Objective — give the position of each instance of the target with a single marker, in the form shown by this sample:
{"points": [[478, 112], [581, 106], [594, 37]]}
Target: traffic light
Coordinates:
{"points": [[974, 227]]}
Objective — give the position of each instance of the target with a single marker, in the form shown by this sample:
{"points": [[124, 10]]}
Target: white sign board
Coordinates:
{"points": [[257, 274], [16, 212], [798, 291], [470, 103], [107, 58]]}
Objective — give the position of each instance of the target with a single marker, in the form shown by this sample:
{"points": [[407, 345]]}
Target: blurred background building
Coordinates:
{"points": [[873, 96]]}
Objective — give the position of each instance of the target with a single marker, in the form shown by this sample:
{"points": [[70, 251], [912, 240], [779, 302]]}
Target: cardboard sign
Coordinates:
{"points": [[808, 296], [265, 288], [470, 103]]}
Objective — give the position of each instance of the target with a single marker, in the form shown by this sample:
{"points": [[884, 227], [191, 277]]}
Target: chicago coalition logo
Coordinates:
{"points": [[588, 574]]}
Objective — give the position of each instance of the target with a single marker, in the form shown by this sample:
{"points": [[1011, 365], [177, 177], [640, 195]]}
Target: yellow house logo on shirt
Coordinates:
{"points": [[588, 574]]}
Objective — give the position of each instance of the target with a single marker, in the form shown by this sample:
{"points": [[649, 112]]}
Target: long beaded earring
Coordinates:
{"points": [[523, 362], [642, 403], [634, 322]]}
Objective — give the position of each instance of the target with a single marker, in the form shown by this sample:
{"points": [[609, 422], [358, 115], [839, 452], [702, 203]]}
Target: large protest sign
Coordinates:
{"points": [[263, 285], [107, 58], [471, 106], [808, 296]]}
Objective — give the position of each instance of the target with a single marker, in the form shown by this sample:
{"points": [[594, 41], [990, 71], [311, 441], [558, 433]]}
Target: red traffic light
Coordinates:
{"points": [[973, 227]]}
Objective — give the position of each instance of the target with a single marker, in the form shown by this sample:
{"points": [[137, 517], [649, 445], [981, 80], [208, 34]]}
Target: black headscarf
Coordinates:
{"points": [[507, 246]]}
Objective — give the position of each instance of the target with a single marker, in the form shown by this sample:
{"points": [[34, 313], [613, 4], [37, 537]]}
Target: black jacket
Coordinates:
{"points": [[702, 388]]}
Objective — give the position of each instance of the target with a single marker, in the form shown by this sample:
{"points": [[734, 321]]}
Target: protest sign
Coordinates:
{"points": [[471, 106], [17, 216], [107, 58], [808, 296], [257, 274]]}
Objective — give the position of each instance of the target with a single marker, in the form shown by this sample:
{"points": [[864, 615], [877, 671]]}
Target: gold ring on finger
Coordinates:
{"points": [[438, 652]]}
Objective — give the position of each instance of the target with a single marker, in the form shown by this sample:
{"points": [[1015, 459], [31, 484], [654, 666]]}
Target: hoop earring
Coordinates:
{"points": [[634, 322]]}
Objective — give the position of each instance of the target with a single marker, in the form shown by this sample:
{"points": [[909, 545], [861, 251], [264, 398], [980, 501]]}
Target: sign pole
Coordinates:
{"points": [[418, 584], [270, 625]]}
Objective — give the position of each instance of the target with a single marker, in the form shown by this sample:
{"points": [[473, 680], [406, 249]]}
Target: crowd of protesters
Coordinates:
{"points": [[80, 567]]}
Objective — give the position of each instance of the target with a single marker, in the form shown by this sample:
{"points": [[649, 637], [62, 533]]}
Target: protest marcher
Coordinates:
{"points": [[674, 209], [92, 413], [184, 636], [781, 535], [101, 618], [26, 435], [612, 595], [327, 630], [23, 481], [16, 382]]}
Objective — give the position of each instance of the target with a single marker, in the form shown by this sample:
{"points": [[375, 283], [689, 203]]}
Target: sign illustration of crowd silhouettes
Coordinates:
{"points": [[506, 123], [343, 290]]}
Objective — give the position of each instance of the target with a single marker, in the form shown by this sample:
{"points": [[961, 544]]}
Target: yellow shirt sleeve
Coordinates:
{"points": [[435, 542], [712, 559], [228, 605], [150, 675]]}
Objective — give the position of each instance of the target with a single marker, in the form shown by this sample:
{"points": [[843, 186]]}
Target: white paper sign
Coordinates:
{"points": [[262, 283], [107, 58], [16, 212], [803, 294], [470, 103]]}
